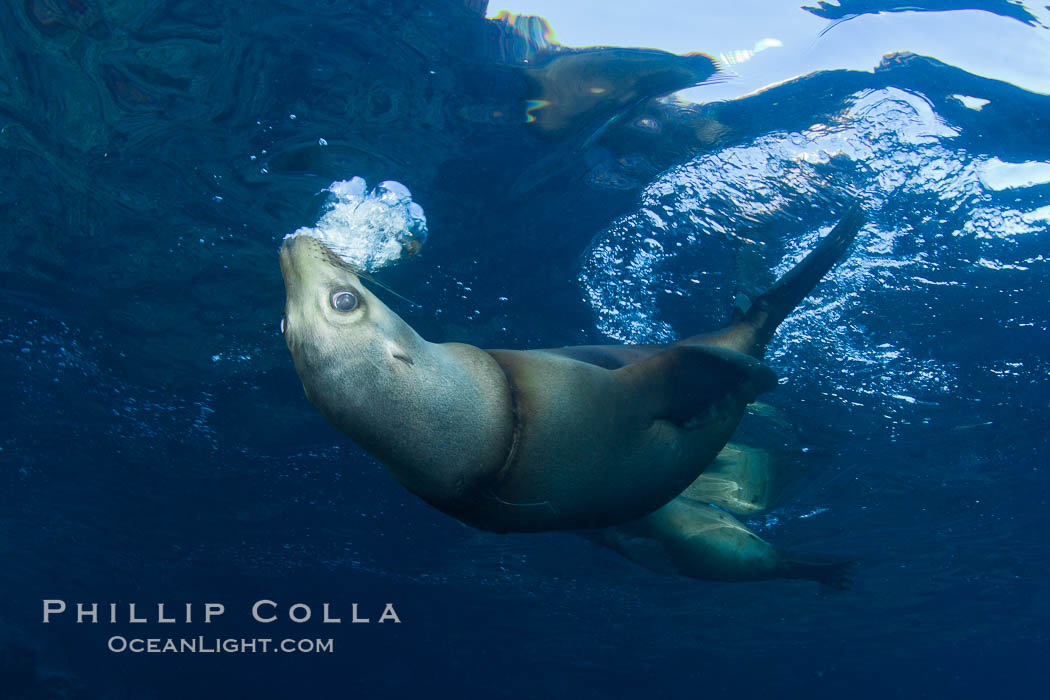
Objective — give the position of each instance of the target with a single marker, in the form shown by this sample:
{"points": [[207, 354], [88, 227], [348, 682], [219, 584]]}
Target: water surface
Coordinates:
{"points": [[156, 445]]}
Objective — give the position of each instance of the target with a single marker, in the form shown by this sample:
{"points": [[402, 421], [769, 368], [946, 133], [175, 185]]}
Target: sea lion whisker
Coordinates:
{"points": [[332, 258], [494, 497]]}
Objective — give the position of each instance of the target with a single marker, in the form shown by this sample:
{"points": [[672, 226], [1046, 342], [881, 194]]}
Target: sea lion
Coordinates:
{"points": [[571, 91], [696, 535], [508, 440]]}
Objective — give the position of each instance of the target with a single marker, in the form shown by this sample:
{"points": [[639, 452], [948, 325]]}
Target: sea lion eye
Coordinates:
{"points": [[344, 300]]}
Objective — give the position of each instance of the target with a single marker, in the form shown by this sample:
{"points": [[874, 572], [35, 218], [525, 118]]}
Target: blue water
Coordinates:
{"points": [[155, 445]]}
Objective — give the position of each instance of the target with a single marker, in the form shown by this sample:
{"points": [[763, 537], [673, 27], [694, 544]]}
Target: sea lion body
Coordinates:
{"points": [[509, 440], [577, 466]]}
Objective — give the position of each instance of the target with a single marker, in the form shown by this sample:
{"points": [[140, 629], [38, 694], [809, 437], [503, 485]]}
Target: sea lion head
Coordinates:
{"points": [[341, 336], [438, 416]]}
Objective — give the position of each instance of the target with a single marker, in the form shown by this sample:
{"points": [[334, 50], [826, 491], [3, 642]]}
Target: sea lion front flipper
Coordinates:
{"points": [[682, 383], [774, 305], [753, 328], [744, 479]]}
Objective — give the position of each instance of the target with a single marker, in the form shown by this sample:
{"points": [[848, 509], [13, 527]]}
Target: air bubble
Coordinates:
{"points": [[370, 229]]}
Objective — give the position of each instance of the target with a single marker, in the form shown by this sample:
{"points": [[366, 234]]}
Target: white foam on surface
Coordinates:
{"points": [[999, 175], [974, 103]]}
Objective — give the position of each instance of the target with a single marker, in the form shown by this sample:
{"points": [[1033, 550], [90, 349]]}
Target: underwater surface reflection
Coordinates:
{"points": [[156, 445]]}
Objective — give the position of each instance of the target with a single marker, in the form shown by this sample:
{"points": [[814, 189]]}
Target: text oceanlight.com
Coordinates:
{"points": [[215, 645]]}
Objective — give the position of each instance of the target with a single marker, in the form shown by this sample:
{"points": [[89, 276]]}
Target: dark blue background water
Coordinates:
{"points": [[155, 445]]}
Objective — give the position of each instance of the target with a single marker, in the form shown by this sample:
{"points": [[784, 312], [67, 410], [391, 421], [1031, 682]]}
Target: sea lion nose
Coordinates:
{"points": [[286, 252], [288, 249], [291, 254], [300, 253]]}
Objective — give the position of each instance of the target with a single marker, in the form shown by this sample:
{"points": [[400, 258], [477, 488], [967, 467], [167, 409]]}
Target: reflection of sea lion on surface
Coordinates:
{"points": [[571, 91], [574, 438]]}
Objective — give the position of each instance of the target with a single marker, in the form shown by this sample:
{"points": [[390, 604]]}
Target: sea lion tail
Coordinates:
{"points": [[830, 571], [772, 307]]}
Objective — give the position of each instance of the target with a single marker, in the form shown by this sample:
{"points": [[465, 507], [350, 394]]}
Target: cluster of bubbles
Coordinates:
{"points": [[369, 229]]}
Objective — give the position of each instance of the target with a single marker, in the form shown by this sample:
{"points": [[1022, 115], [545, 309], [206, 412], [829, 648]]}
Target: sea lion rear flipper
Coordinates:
{"points": [[683, 382]]}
